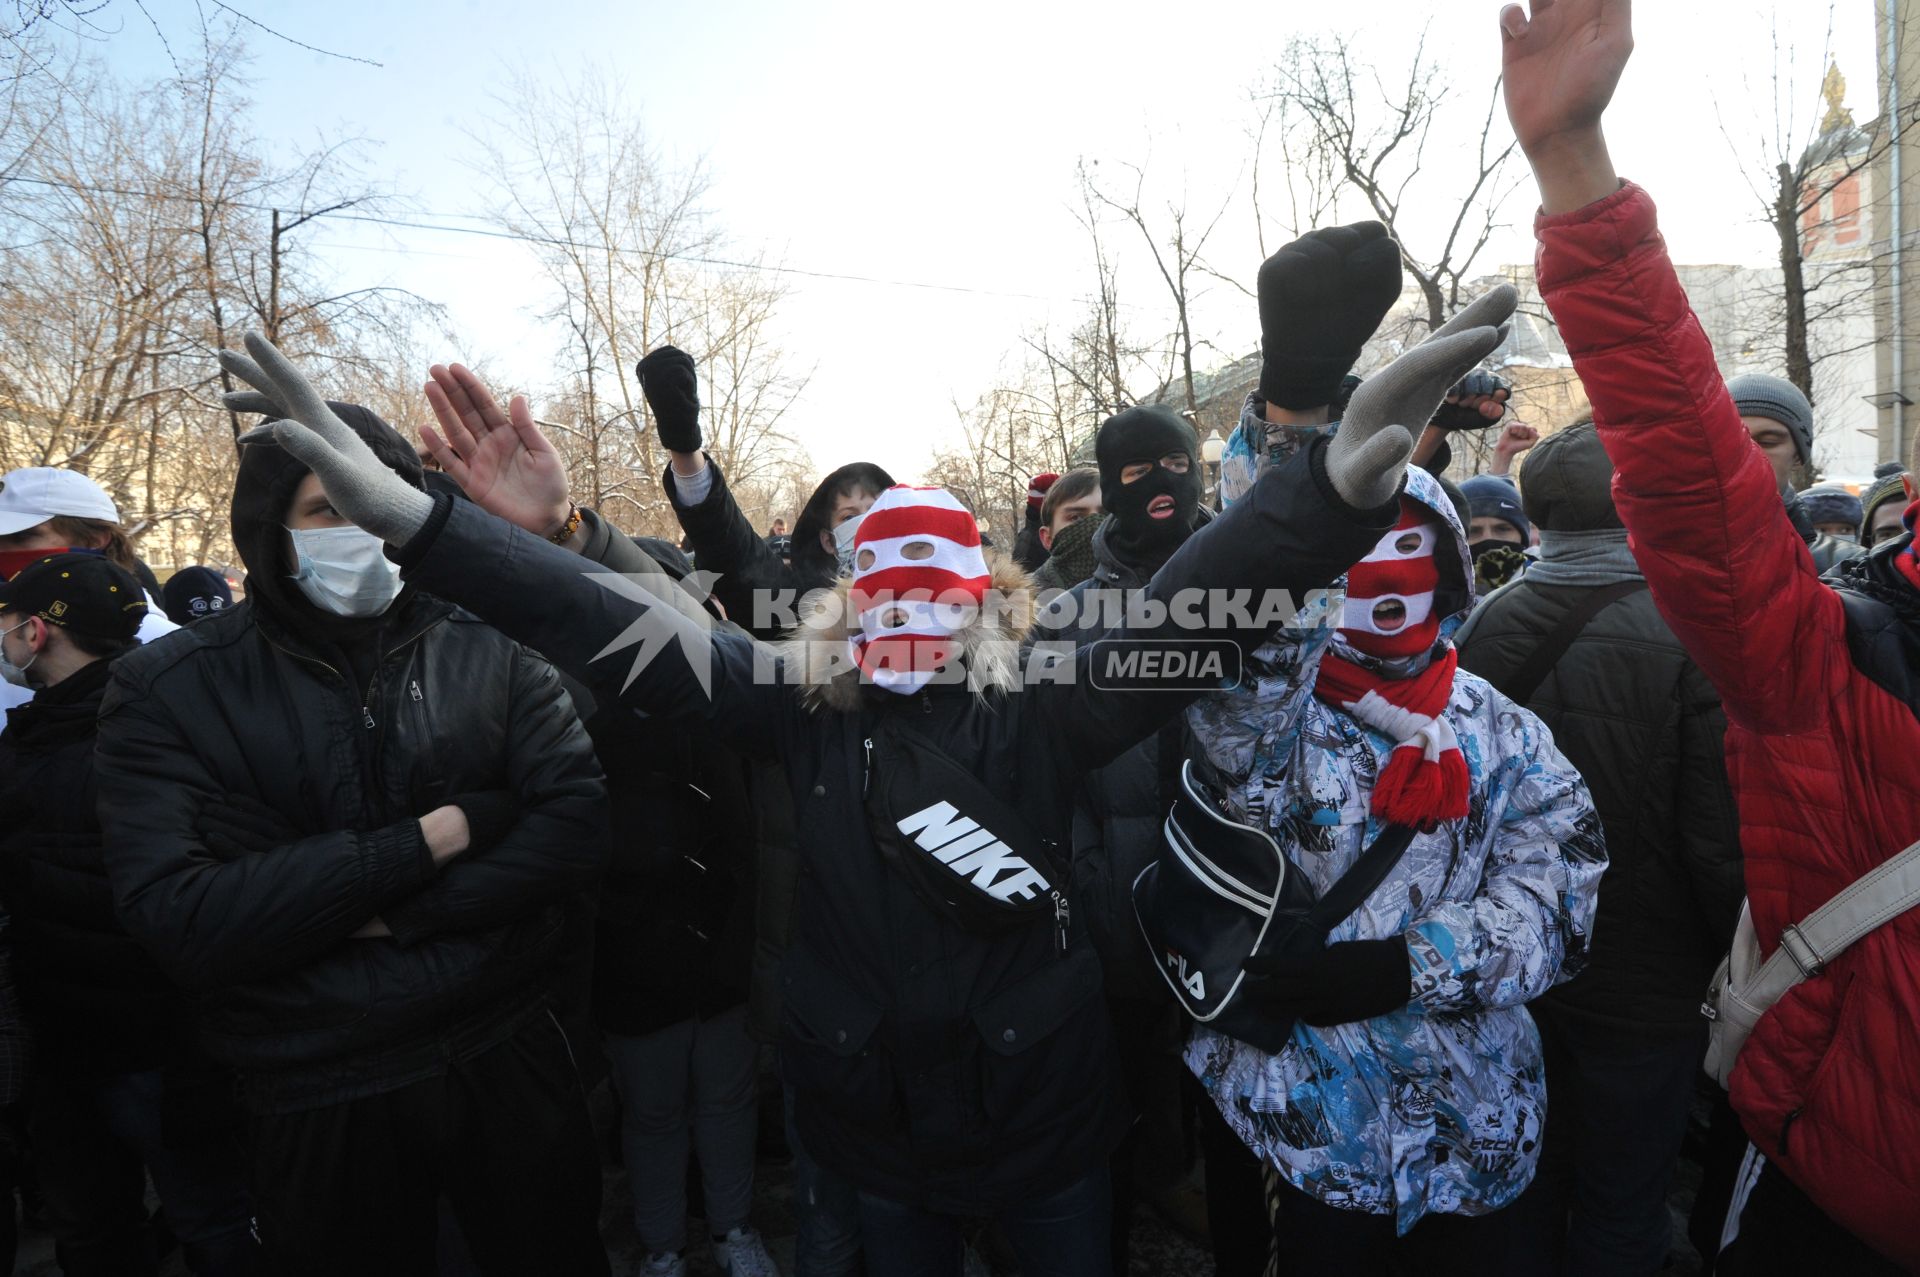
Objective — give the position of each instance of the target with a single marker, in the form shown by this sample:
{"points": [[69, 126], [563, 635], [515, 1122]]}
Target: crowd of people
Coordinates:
{"points": [[1337, 865]]}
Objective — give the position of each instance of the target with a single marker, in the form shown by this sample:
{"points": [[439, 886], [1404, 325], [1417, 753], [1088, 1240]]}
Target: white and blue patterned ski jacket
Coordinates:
{"points": [[1437, 1107]]}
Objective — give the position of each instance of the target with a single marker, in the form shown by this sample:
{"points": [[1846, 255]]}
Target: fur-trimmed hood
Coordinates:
{"points": [[819, 665]]}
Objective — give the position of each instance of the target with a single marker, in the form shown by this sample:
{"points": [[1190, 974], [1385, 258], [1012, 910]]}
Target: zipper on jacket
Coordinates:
{"points": [[415, 685], [367, 699], [866, 774], [1062, 920], [1786, 1128]]}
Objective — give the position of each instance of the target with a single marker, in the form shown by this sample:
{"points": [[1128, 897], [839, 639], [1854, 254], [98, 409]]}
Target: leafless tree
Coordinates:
{"points": [[627, 244], [1176, 248], [1346, 128], [1807, 165], [131, 217]]}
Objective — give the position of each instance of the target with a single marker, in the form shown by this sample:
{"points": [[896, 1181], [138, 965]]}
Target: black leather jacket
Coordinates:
{"points": [[239, 705]]}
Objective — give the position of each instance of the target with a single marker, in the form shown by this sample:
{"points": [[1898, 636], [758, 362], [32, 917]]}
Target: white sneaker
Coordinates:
{"points": [[674, 1265], [741, 1253]]}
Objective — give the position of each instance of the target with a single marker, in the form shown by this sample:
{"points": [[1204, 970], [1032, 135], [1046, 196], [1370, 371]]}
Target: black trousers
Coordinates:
{"points": [[504, 1137], [1616, 1114], [1783, 1234], [1236, 1202], [1313, 1240]]}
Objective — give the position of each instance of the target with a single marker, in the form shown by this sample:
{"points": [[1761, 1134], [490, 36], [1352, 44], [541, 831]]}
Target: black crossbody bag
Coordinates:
{"points": [[1222, 892], [967, 853]]}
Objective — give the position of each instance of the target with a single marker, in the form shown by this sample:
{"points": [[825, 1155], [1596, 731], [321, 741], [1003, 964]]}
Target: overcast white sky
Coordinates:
{"points": [[937, 145]]}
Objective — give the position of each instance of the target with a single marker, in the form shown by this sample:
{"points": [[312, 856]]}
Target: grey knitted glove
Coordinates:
{"points": [[359, 484], [1369, 453]]}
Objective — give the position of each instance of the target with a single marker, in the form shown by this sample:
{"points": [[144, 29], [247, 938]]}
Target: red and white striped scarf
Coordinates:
{"points": [[1425, 781], [1390, 615]]}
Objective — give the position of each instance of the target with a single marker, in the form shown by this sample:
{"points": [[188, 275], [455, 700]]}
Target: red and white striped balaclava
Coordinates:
{"points": [[918, 578], [1389, 611]]}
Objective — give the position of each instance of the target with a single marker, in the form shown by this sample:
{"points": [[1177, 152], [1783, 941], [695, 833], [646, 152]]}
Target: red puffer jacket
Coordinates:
{"points": [[1823, 742]]}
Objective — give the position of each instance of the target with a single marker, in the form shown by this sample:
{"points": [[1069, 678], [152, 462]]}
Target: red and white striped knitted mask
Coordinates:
{"points": [[1390, 593], [918, 579]]}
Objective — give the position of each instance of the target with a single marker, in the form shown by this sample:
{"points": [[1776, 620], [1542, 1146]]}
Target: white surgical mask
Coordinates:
{"points": [[15, 674], [344, 570], [843, 542]]}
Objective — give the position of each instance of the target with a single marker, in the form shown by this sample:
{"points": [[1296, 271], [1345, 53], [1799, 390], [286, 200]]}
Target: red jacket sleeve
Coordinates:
{"points": [[1703, 514]]}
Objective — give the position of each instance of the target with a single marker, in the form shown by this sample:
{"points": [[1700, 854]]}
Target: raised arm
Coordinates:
{"points": [[725, 544], [660, 655], [1728, 571], [1302, 525]]}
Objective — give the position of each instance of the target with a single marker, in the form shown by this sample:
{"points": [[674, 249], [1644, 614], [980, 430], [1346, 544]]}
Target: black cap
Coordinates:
{"points": [[84, 593]]}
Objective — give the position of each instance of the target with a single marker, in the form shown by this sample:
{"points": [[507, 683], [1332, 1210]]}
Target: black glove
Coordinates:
{"points": [[237, 826], [1341, 984], [672, 386], [1456, 415], [491, 814], [1321, 298]]}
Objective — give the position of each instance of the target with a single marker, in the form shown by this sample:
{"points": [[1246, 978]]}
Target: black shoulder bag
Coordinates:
{"points": [[966, 852], [1222, 892]]}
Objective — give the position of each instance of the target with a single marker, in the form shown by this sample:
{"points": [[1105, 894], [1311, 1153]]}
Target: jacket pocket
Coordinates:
{"points": [[827, 1046], [1045, 1040]]}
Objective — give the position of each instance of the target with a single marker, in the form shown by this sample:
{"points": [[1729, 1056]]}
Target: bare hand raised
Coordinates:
{"points": [[1560, 68], [500, 459]]}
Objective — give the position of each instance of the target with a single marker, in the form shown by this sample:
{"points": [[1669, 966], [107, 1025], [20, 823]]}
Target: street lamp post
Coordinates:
{"points": [[1212, 448]]}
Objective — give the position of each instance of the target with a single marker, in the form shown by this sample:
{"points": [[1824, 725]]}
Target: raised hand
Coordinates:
{"points": [[672, 386], [501, 460], [358, 483], [1321, 297], [1479, 401], [1515, 438], [1369, 453], [1560, 67]]}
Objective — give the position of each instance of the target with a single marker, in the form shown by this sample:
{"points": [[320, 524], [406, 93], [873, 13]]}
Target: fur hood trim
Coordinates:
{"points": [[815, 659]]}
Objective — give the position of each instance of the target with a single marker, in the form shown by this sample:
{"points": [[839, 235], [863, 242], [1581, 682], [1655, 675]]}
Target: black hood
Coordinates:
{"points": [[813, 564], [268, 476]]}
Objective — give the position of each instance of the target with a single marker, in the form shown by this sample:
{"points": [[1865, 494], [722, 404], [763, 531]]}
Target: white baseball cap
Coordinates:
{"points": [[29, 497]]}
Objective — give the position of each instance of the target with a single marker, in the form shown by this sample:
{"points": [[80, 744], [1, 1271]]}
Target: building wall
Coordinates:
{"points": [[1899, 83]]}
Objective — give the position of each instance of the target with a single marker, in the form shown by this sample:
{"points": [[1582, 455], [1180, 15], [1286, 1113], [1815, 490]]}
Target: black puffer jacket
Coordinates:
{"points": [[946, 1067], [1645, 729], [257, 702], [95, 998]]}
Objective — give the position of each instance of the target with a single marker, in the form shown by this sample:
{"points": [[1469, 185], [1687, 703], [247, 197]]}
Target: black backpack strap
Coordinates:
{"points": [[1358, 882], [1522, 683]]}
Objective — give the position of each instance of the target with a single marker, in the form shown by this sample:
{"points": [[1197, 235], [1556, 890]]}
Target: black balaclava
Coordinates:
{"points": [[1146, 434]]}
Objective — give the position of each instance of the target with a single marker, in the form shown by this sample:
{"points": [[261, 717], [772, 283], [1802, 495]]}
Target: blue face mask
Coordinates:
{"points": [[344, 571]]}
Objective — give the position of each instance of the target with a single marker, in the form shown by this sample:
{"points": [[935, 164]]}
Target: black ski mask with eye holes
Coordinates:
{"points": [[1143, 435]]}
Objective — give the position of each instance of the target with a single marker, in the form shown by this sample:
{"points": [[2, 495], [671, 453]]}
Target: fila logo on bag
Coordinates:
{"points": [[974, 853], [1194, 981]]}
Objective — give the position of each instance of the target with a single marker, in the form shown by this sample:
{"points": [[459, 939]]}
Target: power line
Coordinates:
{"points": [[556, 242]]}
